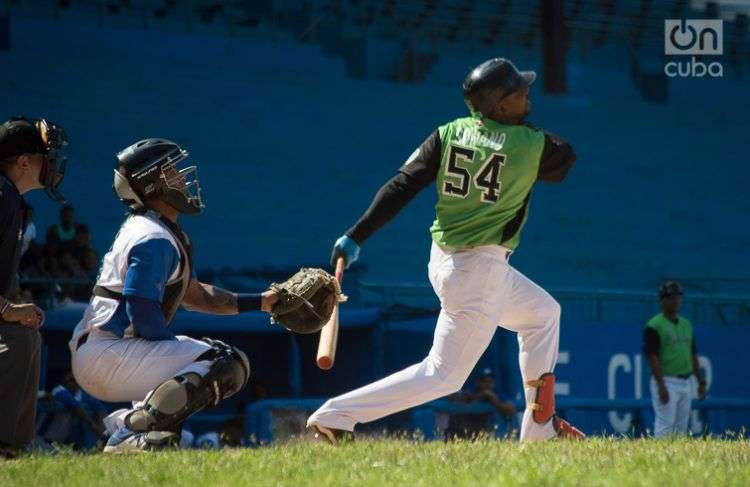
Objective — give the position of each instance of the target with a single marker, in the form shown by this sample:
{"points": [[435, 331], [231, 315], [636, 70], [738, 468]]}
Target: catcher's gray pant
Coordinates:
{"points": [[478, 290], [673, 417]]}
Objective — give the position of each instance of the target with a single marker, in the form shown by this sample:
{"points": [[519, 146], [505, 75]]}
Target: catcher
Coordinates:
{"points": [[123, 349]]}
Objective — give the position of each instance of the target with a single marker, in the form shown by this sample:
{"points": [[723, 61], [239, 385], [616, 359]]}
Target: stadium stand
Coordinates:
{"points": [[292, 110]]}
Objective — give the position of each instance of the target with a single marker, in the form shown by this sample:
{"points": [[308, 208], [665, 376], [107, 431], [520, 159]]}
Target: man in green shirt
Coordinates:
{"points": [[669, 346], [482, 168]]}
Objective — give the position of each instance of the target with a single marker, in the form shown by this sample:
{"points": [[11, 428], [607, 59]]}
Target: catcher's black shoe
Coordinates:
{"points": [[331, 435]]}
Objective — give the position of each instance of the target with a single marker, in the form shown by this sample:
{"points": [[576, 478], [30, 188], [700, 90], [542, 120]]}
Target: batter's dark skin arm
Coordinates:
{"points": [[653, 361], [210, 299], [557, 158], [651, 346], [696, 368], [506, 408], [418, 172], [697, 373], [95, 426]]}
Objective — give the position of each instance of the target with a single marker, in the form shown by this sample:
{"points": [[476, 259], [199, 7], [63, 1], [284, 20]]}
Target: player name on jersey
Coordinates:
{"points": [[470, 136]]}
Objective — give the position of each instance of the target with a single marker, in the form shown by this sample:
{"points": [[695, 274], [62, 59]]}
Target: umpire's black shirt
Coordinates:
{"points": [[11, 232]]}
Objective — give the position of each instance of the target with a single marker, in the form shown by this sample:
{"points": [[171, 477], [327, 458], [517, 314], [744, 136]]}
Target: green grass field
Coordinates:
{"points": [[593, 462]]}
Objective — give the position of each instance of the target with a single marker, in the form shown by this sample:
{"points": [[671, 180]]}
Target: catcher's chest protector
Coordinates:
{"points": [[175, 291], [136, 229]]}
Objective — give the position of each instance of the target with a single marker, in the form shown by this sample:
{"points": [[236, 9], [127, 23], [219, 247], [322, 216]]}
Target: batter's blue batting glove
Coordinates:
{"points": [[347, 248]]}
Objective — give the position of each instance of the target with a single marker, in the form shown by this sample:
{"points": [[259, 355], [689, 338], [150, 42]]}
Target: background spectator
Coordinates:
{"points": [[91, 264], [49, 265], [669, 346], [72, 268], [81, 245], [62, 256], [472, 425], [29, 233], [75, 417], [62, 234], [230, 435]]}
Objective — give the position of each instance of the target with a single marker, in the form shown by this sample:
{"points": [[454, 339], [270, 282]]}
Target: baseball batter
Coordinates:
{"points": [[484, 168], [123, 350]]}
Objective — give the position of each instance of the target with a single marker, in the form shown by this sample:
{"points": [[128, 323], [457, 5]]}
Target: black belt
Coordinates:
{"points": [[103, 292], [81, 340], [682, 376]]}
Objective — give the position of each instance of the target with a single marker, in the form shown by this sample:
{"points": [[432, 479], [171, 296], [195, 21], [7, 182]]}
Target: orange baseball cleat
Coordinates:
{"points": [[566, 430]]}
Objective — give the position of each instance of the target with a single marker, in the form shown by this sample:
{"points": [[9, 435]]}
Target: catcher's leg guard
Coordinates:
{"points": [[172, 402], [544, 404]]}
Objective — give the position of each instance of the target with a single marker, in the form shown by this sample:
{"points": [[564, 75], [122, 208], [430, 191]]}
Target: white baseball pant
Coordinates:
{"points": [[127, 369], [673, 417], [478, 290]]}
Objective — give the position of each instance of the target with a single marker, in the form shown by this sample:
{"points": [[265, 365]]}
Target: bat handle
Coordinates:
{"points": [[340, 266]]}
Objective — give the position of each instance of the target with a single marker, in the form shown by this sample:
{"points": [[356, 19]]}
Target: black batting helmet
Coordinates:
{"points": [[670, 288], [148, 169], [492, 81]]}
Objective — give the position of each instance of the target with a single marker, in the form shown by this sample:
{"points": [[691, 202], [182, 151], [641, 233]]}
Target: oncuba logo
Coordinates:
{"points": [[685, 37]]}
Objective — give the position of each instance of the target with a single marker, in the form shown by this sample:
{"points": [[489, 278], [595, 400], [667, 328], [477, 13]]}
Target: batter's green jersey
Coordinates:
{"points": [[675, 344], [483, 171], [485, 178]]}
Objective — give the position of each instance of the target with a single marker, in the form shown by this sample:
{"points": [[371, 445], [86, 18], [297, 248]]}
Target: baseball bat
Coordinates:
{"points": [[329, 334]]}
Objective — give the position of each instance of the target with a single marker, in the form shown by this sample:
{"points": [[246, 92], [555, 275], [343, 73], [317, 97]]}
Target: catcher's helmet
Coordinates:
{"points": [[492, 81], [148, 169]]}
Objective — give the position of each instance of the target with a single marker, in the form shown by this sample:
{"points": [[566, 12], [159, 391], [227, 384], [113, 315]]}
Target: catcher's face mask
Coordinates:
{"points": [[182, 189], [53, 168]]}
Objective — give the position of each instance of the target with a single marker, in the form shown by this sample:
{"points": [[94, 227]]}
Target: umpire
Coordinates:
{"points": [[29, 159], [669, 346]]}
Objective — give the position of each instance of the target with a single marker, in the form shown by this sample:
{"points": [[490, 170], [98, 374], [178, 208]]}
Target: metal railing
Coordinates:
{"points": [[48, 291], [588, 304], [585, 304]]}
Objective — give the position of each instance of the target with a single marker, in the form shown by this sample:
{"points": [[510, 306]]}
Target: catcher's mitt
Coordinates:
{"points": [[306, 300]]}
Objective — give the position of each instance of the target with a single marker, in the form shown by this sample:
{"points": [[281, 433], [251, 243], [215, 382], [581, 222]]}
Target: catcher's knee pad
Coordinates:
{"points": [[172, 402], [229, 372], [543, 406]]}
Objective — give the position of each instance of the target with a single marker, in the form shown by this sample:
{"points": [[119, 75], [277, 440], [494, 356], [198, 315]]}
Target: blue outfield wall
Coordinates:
{"points": [[600, 361], [597, 362], [606, 361]]}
